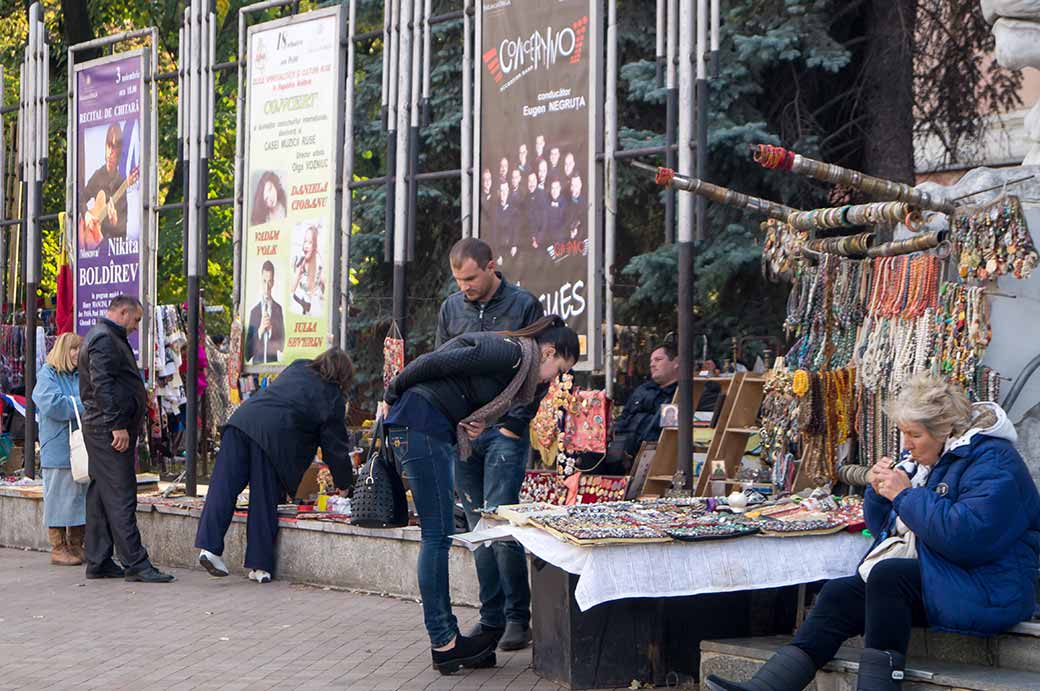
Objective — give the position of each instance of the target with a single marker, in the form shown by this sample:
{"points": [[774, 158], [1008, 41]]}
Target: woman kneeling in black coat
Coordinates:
{"points": [[269, 443]]}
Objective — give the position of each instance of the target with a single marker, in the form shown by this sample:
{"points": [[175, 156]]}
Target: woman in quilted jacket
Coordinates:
{"points": [[447, 398], [957, 545]]}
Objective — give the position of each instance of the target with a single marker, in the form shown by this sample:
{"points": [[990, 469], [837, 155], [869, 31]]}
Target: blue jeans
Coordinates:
{"points": [[492, 476], [427, 465]]}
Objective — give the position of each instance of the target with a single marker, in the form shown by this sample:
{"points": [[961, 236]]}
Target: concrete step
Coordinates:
{"points": [[1019, 648], [739, 659]]}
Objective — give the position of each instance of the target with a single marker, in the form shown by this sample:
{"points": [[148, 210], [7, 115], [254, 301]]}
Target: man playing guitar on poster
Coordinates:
{"points": [[103, 203]]}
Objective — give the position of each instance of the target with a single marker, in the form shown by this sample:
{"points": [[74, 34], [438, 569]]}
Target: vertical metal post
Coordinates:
{"points": [[702, 113], [385, 94], [425, 117], [477, 124], [659, 54], [685, 236], [31, 94], [610, 220], [238, 222], [671, 104], [413, 127], [195, 125], [391, 130], [347, 210], [467, 120], [594, 223], [400, 223], [716, 11]]}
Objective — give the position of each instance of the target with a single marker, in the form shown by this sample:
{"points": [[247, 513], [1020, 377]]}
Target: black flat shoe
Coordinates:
{"points": [[516, 636], [479, 629], [108, 569], [474, 653], [149, 574]]}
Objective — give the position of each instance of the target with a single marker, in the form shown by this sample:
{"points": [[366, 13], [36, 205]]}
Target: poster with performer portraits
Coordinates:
{"points": [[534, 149], [110, 228], [289, 220]]}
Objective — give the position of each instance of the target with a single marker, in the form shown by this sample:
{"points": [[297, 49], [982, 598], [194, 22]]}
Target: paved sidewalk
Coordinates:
{"points": [[59, 630]]}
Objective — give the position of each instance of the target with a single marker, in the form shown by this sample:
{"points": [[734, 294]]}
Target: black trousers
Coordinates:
{"points": [[112, 503], [883, 610], [241, 461]]}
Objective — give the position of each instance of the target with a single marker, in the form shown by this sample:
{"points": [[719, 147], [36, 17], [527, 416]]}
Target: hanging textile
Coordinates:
{"points": [[588, 423], [63, 313], [393, 355]]}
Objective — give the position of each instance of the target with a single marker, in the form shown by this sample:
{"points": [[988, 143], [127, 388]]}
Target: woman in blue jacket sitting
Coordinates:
{"points": [[56, 396], [957, 545]]}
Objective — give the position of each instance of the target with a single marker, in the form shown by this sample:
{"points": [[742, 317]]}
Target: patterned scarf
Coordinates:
{"points": [[520, 390]]}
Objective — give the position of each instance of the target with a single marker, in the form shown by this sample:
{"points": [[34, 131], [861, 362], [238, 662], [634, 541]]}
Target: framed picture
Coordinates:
{"points": [[669, 415], [641, 469]]}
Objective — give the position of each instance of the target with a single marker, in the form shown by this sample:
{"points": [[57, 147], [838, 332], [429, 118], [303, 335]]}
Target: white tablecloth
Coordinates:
{"points": [[670, 569]]}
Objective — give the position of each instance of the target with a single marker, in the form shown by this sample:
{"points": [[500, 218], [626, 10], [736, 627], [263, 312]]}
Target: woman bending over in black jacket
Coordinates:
{"points": [[269, 443], [445, 398]]}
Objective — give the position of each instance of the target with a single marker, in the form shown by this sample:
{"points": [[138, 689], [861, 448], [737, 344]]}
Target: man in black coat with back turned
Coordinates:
{"points": [[114, 403], [494, 473]]}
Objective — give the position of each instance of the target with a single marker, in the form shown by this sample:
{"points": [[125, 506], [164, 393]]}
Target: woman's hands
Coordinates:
{"points": [[886, 480]]}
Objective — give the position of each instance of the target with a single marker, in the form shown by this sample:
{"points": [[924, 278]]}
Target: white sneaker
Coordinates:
{"points": [[212, 563], [259, 576]]}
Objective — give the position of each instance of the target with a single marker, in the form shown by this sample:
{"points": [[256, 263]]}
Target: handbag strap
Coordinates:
{"points": [[378, 435], [75, 409]]}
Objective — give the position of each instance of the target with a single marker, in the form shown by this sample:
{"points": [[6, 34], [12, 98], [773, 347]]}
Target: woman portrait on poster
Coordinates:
{"points": [[269, 201], [308, 288]]}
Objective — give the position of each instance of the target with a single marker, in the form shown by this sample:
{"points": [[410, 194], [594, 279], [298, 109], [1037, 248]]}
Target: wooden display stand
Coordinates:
{"points": [[665, 461], [737, 422]]}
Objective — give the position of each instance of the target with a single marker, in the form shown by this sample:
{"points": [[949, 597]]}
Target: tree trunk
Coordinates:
{"points": [[888, 89], [77, 27]]}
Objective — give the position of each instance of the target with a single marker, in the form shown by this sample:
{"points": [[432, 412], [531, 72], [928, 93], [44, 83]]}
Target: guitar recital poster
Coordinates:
{"points": [[534, 149], [109, 204], [287, 290]]}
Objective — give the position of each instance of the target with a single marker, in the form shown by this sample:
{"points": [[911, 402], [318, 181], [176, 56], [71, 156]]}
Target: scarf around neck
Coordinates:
{"points": [[521, 390]]}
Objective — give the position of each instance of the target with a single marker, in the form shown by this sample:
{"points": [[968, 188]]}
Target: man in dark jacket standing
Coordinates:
{"points": [[493, 474], [115, 404]]}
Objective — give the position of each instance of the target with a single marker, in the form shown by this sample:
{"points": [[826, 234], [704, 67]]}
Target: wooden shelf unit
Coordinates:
{"points": [[737, 421], [662, 470]]}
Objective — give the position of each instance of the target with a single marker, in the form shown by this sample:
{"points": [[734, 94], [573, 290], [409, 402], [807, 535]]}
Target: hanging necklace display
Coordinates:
{"points": [[993, 240]]}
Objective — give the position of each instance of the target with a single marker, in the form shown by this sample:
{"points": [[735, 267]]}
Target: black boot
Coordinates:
{"points": [[880, 670], [475, 653], [790, 669]]}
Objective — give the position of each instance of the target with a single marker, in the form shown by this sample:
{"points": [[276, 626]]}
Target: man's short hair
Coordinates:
{"points": [[669, 349], [121, 301], [268, 266], [470, 248]]}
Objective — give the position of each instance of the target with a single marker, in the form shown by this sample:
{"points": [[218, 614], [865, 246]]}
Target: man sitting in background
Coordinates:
{"points": [[640, 420]]}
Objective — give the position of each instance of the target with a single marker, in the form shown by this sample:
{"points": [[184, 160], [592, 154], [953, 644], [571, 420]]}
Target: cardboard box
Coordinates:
{"points": [[308, 488]]}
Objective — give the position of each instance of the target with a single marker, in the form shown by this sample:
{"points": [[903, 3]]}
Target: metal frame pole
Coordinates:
{"points": [[467, 121], [610, 219], [685, 236], [195, 124], [347, 210], [477, 124], [414, 116], [659, 54], [240, 144], [701, 111], [393, 86], [404, 74], [425, 116], [35, 139], [671, 105]]}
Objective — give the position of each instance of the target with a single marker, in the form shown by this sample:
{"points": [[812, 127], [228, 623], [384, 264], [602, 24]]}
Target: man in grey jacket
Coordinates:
{"points": [[493, 474]]}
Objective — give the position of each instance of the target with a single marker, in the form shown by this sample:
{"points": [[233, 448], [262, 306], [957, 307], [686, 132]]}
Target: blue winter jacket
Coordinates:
{"points": [[54, 412], [977, 522]]}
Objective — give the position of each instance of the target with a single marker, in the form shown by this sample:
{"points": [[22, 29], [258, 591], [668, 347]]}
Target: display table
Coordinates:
{"points": [[607, 615]]}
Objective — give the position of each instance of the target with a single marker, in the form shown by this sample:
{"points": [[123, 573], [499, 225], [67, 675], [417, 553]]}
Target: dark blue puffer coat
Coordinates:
{"points": [[977, 523]]}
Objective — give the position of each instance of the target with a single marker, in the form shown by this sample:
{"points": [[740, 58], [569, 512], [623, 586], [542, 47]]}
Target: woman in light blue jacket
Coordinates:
{"points": [[56, 396]]}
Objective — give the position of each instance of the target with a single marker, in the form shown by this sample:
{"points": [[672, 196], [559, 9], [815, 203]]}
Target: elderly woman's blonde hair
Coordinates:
{"points": [[60, 357], [938, 405]]}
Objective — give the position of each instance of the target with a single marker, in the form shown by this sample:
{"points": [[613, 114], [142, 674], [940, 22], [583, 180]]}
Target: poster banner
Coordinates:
{"points": [[109, 200], [534, 149], [289, 224]]}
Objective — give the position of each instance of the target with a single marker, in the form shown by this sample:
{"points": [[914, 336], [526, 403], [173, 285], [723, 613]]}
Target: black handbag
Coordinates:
{"points": [[379, 499]]}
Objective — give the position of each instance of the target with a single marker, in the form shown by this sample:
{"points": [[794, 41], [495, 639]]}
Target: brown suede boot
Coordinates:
{"points": [[60, 554], [75, 537]]}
